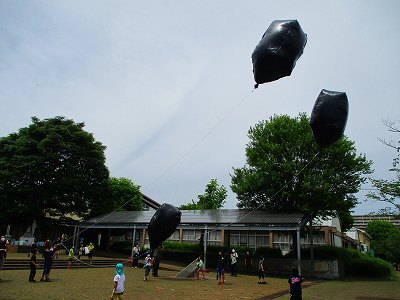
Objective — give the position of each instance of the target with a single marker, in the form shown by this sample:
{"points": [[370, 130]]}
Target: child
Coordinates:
{"points": [[119, 280], [70, 257], [148, 262], [200, 267], [261, 272], [48, 256], [221, 265], [33, 266], [295, 281]]}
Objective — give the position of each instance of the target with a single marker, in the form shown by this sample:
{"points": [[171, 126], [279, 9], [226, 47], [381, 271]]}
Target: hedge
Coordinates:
{"points": [[355, 262]]}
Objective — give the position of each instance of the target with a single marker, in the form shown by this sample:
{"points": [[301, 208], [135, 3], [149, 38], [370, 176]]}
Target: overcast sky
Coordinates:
{"points": [[166, 85]]}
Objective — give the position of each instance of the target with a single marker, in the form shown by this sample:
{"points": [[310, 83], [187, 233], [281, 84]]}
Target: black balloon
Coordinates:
{"points": [[329, 117], [276, 54], [163, 224]]}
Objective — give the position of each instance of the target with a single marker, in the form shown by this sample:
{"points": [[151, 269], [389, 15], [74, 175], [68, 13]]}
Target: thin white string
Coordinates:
{"points": [[172, 165], [276, 193]]}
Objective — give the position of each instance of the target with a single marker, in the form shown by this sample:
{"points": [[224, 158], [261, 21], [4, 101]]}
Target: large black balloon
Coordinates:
{"points": [[329, 117], [276, 54], [163, 224]]}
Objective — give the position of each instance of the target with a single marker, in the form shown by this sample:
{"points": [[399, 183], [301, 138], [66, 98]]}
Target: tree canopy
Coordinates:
{"points": [[286, 170], [385, 240], [122, 194], [52, 167], [213, 198]]}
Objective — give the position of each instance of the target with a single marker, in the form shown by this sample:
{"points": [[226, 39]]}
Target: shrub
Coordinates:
{"points": [[355, 262], [181, 247], [122, 247], [268, 252], [372, 267]]}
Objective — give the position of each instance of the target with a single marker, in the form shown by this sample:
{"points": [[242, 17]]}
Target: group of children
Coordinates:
{"points": [[294, 280], [48, 255]]}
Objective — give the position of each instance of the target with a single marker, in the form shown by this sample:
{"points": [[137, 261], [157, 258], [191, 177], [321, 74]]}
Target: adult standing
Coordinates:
{"points": [[57, 246], [48, 256], [234, 261], [3, 250], [135, 256], [157, 259], [81, 250], [248, 261], [261, 271]]}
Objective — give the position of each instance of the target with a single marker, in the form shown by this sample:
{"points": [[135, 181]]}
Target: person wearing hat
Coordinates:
{"points": [[119, 280]]}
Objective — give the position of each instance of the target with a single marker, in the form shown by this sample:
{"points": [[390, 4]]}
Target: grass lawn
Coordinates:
{"points": [[96, 283]]}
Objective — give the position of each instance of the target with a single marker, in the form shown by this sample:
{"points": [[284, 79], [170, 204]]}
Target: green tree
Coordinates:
{"points": [[122, 194], [389, 190], [52, 167], [385, 240], [285, 170], [213, 198]]}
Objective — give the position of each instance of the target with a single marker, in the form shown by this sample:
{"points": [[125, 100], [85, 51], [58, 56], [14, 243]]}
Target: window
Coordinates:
{"points": [[214, 237], [175, 236], [318, 239], [282, 240], [191, 235], [147, 240], [253, 239], [145, 206]]}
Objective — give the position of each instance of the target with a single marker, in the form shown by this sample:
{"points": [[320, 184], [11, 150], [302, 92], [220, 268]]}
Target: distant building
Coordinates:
{"points": [[224, 227], [361, 221], [359, 239]]}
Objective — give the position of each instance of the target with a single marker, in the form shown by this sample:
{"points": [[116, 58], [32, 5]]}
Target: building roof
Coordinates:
{"points": [[234, 217], [150, 202]]}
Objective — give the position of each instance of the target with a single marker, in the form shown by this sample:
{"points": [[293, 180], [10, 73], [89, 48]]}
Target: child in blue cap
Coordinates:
{"points": [[119, 280]]}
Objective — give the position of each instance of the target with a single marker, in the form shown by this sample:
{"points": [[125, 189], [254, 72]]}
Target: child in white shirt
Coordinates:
{"points": [[119, 280]]}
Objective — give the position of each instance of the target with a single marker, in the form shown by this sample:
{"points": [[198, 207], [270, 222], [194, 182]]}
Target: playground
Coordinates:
{"points": [[97, 282]]}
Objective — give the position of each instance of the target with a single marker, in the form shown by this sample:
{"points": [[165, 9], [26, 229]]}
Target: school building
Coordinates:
{"points": [[225, 227]]}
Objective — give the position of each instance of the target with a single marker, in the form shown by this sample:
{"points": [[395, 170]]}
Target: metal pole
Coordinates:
{"points": [[74, 239], [133, 240], [205, 240], [77, 239], [298, 251]]}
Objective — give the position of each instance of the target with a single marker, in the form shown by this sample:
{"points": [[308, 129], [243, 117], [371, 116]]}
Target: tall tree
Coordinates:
{"points": [[213, 198], [389, 190], [285, 170], [385, 240], [122, 194], [53, 167]]}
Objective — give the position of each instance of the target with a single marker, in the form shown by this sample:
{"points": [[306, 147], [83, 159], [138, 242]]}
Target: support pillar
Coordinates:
{"points": [[298, 251], [205, 241]]}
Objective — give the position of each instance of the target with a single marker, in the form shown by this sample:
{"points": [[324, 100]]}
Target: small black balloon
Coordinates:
{"points": [[163, 224], [276, 54], [329, 117]]}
